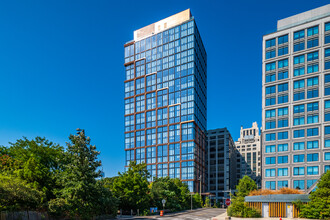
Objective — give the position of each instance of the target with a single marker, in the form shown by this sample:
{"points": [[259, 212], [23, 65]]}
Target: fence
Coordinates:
{"points": [[24, 215]]}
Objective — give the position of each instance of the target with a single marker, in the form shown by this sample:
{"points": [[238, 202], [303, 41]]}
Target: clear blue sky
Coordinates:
{"points": [[61, 64]]}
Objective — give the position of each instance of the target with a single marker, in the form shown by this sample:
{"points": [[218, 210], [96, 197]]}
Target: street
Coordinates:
{"points": [[197, 214]]}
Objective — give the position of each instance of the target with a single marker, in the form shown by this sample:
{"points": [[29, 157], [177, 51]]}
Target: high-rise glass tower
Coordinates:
{"points": [[165, 99], [296, 101]]}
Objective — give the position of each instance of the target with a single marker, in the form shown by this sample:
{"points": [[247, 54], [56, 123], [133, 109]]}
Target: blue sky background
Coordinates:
{"points": [[61, 64]]}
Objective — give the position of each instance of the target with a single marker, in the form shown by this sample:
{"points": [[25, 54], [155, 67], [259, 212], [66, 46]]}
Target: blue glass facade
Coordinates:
{"points": [[165, 103]]}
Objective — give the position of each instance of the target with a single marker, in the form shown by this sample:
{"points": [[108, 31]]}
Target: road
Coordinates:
{"points": [[198, 214]]}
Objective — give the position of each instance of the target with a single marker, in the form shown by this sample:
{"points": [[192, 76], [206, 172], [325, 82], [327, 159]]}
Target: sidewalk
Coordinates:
{"points": [[224, 215]]}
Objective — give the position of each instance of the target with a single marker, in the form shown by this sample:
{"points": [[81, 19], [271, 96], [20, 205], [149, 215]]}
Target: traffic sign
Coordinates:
{"points": [[227, 202], [163, 201]]}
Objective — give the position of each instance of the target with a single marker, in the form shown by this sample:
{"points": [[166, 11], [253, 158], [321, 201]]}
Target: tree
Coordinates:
{"points": [[197, 201], [132, 187], [82, 195], [35, 161], [238, 208], [207, 202], [174, 191], [319, 206], [17, 195]]}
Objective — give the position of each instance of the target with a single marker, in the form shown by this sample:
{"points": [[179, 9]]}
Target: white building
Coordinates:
{"points": [[249, 154], [296, 101]]}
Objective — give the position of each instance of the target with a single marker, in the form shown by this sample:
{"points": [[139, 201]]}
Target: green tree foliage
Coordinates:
{"points": [[17, 195], [197, 201], [207, 202], [174, 191], [82, 195], [131, 188], [238, 208], [319, 206], [35, 161]]}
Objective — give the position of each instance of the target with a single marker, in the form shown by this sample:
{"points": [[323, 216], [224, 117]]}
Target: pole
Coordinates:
{"points": [[200, 186], [191, 201]]}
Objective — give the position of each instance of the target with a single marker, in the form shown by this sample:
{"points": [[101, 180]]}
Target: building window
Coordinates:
{"points": [[282, 39], [313, 170], [327, 26], [313, 31], [151, 101], [326, 130], [151, 119], [298, 109], [327, 156], [282, 147], [282, 99], [129, 156], [140, 139], [299, 34], [327, 65], [270, 54], [270, 101], [282, 135], [327, 143], [282, 159], [270, 66], [281, 184], [270, 185], [313, 56], [270, 78], [312, 68], [299, 120], [327, 52], [270, 148], [299, 46], [270, 125], [270, 90], [283, 75], [162, 116], [312, 157], [270, 113], [299, 84], [162, 135], [151, 136], [282, 87], [282, 123], [298, 171], [314, 81], [299, 71], [327, 78], [327, 91], [299, 96], [299, 158], [312, 144], [282, 51], [270, 160], [299, 146], [313, 43], [270, 172], [299, 59], [270, 43], [282, 172], [326, 168], [310, 183], [282, 111], [271, 137], [314, 106], [282, 63], [312, 93], [311, 119], [298, 133], [299, 184]]}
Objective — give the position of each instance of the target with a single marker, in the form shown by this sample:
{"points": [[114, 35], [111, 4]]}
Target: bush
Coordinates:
{"points": [[319, 206], [238, 208], [17, 195], [272, 192]]}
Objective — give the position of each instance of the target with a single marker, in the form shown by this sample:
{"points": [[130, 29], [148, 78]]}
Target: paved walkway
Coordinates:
{"points": [[224, 215]]}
